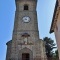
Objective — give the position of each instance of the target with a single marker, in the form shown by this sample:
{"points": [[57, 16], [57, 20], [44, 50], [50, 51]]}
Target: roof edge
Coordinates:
{"points": [[52, 30]]}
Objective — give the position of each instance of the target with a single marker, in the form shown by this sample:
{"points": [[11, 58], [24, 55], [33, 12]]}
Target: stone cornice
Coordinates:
{"points": [[9, 42]]}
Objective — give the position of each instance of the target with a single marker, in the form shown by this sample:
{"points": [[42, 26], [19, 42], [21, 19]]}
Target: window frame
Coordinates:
{"points": [[26, 7]]}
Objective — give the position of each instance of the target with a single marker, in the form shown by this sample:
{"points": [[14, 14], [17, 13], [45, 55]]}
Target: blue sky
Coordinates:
{"points": [[45, 10]]}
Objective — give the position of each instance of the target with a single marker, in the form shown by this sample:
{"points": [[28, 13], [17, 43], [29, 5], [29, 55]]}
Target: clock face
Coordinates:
{"points": [[26, 19]]}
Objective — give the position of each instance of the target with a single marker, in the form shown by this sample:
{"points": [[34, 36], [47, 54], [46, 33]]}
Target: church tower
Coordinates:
{"points": [[25, 43]]}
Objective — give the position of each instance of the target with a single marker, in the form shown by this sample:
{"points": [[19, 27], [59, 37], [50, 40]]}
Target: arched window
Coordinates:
{"points": [[25, 7]]}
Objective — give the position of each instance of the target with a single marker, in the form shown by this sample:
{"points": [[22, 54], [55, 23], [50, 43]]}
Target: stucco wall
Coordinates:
{"points": [[57, 34]]}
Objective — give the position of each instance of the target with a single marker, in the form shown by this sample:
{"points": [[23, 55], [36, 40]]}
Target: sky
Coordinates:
{"points": [[45, 9]]}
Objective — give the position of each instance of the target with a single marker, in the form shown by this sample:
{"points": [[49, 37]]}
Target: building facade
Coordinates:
{"points": [[55, 26], [25, 43]]}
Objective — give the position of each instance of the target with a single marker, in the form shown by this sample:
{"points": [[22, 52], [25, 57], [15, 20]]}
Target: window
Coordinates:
{"points": [[25, 7]]}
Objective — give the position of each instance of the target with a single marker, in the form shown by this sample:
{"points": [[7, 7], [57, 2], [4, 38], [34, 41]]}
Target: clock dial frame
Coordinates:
{"points": [[26, 19]]}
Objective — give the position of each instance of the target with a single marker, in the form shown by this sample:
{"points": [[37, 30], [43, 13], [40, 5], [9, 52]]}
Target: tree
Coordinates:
{"points": [[56, 54], [49, 45]]}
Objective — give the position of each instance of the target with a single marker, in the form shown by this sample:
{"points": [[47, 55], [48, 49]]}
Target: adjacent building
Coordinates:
{"points": [[55, 26]]}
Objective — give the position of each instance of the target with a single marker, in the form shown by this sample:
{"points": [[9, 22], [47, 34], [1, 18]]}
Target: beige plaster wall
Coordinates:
{"points": [[57, 34]]}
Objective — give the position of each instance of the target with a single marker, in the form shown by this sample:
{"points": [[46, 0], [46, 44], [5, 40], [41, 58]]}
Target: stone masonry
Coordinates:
{"points": [[25, 43]]}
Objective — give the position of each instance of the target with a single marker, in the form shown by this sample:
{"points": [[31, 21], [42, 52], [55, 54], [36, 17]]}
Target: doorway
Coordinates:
{"points": [[25, 56]]}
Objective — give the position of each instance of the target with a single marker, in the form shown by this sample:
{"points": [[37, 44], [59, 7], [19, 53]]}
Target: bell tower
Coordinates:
{"points": [[26, 18], [25, 43]]}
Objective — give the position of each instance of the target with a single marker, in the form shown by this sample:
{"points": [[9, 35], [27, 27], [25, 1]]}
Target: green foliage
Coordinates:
{"points": [[56, 54], [49, 45]]}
